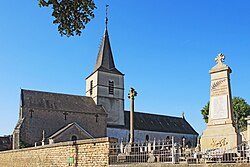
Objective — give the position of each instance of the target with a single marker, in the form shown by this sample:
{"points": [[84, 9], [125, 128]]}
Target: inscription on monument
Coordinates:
{"points": [[219, 143], [219, 107], [219, 87]]}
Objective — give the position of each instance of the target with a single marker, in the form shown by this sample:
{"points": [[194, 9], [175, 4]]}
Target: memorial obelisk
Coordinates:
{"points": [[220, 131]]}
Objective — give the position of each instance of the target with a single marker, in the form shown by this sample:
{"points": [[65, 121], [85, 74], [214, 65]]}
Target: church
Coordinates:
{"points": [[47, 117]]}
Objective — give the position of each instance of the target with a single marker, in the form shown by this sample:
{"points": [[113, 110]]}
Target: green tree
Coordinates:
{"points": [[205, 112], [71, 15], [240, 110]]}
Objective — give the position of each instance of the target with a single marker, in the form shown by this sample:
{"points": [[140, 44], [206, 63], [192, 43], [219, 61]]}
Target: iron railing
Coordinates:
{"points": [[170, 152]]}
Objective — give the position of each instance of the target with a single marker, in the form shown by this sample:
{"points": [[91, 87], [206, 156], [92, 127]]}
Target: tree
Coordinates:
{"points": [[240, 111], [71, 15], [205, 112]]}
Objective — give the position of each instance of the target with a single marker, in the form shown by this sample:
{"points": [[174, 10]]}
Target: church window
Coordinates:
{"points": [[74, 138], [91, 87], [111, 87], [147, 137]]}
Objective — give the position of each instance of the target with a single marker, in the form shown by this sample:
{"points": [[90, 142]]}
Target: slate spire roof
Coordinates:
{"points": [[105, 60]]}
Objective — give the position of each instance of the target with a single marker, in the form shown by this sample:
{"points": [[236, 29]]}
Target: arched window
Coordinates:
{"points": [[73, 138], [147, 137]]}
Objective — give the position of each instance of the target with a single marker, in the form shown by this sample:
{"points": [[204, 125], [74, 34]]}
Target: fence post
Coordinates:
{"points": [[173, 151]]}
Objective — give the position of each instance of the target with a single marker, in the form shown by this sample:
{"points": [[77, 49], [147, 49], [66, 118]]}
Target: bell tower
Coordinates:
{"points": [[106, 83]]}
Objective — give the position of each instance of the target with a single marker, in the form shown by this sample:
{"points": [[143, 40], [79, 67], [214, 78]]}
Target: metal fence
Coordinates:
{"points": [[170, 152]]}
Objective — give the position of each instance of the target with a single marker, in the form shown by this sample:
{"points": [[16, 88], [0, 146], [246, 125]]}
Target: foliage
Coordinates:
{"points": [[240, 110], [205, 112], [71, 15]]}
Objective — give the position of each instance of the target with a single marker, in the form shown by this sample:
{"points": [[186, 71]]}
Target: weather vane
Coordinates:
{"points": [[106, 20]]}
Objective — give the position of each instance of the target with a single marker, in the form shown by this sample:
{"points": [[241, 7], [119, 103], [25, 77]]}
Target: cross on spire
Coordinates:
{"points": [[220, 58], [106, 20]]}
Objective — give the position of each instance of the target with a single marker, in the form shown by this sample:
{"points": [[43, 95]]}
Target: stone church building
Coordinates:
{"points": [[52, 117]]}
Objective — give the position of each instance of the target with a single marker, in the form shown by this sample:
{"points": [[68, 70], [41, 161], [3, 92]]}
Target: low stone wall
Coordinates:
{"points": [[183, 165], [91, 152]]}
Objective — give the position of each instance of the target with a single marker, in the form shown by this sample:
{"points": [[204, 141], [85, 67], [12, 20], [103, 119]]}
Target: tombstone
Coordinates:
{"points": [[121, 147], [149, 147], [248, 129], [220, 132], [128, 149], [151, 157], [198, 147], [173, 151], [248, 137], [154, 143], [43, 140]]}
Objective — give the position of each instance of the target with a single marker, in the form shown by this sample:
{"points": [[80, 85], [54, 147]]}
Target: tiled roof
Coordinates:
{"points": [[59, 102], [158, 123]]}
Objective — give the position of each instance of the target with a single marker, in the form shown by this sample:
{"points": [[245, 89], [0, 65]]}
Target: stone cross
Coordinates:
{"points": [[65, 115], [131, 96], [96, 117], [183, 115], [31, 113], [220, 58]]}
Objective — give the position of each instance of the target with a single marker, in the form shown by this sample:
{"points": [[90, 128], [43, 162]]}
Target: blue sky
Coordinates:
{"points": [[165, 48]]}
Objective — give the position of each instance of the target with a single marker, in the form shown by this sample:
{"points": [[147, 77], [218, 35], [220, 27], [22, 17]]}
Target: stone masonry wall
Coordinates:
{"points": [[52, 120], [91, 152]]}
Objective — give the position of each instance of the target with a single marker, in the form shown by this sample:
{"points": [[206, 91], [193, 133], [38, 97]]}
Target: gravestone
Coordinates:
{"points": [[220, 131]]}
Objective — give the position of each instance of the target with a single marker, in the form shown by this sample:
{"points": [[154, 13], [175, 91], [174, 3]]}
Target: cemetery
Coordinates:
{"points": [[219, 143]]}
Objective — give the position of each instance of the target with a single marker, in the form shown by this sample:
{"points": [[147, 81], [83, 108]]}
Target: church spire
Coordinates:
{"points": [[106, 83], [105, 60]]}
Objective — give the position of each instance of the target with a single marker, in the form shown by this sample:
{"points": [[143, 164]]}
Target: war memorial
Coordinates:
{"points": [[220, 131]]}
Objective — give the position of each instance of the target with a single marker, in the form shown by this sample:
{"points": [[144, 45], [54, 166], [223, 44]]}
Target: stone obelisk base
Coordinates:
{"points": [[220, 136]]}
